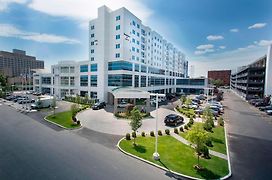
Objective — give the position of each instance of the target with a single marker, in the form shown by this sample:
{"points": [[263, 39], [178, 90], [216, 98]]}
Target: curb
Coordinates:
{"points": [[153, 164]]}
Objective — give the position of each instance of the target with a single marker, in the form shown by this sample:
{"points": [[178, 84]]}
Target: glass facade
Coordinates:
{"points": [[64, 69], [93, 67], [84, 68], [143, 81], [119, 65], [64, 81], [136, 67], [93, 80], [46, 80], [195, 82], [156, 81], [156, 71], [136, 81], [84, 80], [143, 69], [119, 80]]}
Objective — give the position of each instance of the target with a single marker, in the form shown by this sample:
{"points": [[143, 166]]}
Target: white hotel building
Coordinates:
{"points": [[122, 53]]}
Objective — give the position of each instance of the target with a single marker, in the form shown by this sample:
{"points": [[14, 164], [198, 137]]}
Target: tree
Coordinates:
{"points": [[199, 137], [54, 104], [208, 118], [183, 99], [188, 102], [217, 82], [78, 99], [136, 121], [74, 110]]}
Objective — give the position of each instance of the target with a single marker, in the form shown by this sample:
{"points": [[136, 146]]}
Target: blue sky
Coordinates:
{"points": [[214, 34]]}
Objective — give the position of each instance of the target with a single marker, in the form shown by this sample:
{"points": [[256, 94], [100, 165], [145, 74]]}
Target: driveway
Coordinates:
{"points": [[105, 122], [250, 139]]}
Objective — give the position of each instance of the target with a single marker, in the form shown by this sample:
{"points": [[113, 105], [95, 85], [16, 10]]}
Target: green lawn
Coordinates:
{"points": [[186, 111], [218, 139], [176, 156], [64, 119]]}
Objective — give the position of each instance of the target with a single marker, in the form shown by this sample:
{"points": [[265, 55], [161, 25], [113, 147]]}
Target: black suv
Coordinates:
{"points": [[173, 120], [99, 105]]}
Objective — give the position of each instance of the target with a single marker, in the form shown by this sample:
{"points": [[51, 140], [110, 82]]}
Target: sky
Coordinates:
{"points": [[213, 34]]}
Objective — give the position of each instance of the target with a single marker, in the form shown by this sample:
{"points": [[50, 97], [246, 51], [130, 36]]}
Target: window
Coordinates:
{"points": [[118, 18], [117, 36], [64, 69], [143, 81], [64, 81], [133, 32], [136, 67], [138, 26], [143, 69], [119, 80], [93, 67], [92, 43], [84, 68], [92, 27], [92, 58], [92, 51], [72, 81], [138, 42], [133, 57], [119, 65], [84, 80], [138, 51], [117, 55], [133, 49], [117, 46], [93, 80], [117, 27], [93, 95], [92, 35], [136, 81], [138, 34], [133, 40], [46, 80], [133, 23], [72, 69]]}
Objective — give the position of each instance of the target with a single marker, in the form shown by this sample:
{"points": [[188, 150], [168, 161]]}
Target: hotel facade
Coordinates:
{"points": [[123, 53]]}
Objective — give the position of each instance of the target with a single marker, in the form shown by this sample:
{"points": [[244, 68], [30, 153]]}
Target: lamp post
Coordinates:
{"points": [[156, 155]]}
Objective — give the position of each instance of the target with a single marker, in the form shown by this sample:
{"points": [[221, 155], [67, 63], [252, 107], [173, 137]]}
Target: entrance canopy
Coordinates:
{"points": [[129, 93]]}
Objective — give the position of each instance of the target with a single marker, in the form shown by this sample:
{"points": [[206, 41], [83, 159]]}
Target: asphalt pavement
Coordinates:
{"points": [[250, 139], [32, 150]]}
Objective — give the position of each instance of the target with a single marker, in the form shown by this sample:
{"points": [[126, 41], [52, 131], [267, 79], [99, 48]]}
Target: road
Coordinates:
{"points": [[250, 139], [32, 150]]}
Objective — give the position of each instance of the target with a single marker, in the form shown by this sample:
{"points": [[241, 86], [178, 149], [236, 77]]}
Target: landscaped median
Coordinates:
{"points": [[175, 156], [65, 119]]}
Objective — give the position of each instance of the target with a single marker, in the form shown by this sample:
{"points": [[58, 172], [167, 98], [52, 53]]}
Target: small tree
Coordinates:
{"points": [[183, 99], [220, 121], [78, 99], [208, 118], [54, 104], [136, 120], [188, 102], [199, 137], [74, 110]]}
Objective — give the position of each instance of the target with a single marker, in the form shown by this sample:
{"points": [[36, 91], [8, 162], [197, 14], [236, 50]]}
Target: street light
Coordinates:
{"points": [[156, 155]]}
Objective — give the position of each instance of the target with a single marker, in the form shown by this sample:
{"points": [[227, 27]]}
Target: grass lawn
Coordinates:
{"points": [[186, 111], [63, 118], [176, 156], [218, 139]]}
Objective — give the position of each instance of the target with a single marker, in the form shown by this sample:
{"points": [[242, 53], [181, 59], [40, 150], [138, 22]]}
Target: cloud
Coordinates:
{"points": [[5, 3], [205, 46], [263, 42], [257, 26], [201, 52], [222, 47], [85, 10], [7, 30], [214, 37], [234, 30]]}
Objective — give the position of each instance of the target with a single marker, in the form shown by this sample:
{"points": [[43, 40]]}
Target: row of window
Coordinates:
{"points": [[84, 68], [84, 80]]}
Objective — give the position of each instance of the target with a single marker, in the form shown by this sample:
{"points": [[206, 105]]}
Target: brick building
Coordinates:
{"points": [[223, 75]]}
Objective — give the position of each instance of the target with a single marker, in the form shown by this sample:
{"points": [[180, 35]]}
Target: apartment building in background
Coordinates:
{"points": [[16, 65], [122, 53], [223, 75], [254, 80]]}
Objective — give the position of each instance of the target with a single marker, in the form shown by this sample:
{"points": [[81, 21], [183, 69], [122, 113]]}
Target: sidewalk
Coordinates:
{"points": [[184, 141]]}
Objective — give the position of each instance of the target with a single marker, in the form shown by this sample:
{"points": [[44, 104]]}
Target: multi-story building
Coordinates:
{"points": [[122, 53], [16, 65], [254, 80], [223, 75]]}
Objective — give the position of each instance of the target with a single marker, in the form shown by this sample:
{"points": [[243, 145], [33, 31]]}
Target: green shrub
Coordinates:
{"points": [[78, 122], [181, 129], [191, 121], [209, 142], [127, 136], [133, 134], [220, 121], [186, 127], [176, 130], [189, 124], [159, 132], [152, 133], [143, 134], [167, 131], [205, 152], [207, 126]]}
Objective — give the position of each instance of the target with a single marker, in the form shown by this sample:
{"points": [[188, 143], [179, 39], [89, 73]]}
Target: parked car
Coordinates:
{"points": [[170, 96], [201, 97], [216, 108], [265, 108], [196, 100], [99, 105], [199, 111], [10, 98], [173, 120], [261, 103], [254, 101], [269, 112], [123, 104], [193, 106]]}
